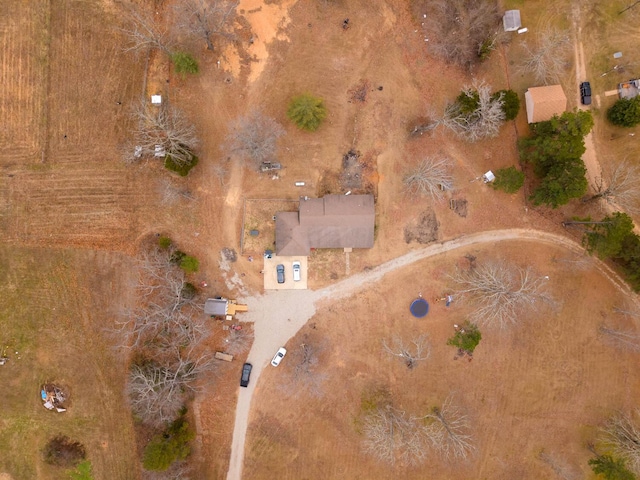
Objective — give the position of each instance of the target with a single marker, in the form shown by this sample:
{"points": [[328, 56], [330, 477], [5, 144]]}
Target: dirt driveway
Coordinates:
{"points": [[278, 316]]}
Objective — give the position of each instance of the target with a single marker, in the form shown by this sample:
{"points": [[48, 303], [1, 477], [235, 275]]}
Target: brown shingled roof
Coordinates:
{"points": [[334, 221], [544, 102]]}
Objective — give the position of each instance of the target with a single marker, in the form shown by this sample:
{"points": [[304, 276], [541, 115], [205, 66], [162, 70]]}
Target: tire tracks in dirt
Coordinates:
{"points": [[279, 315]]}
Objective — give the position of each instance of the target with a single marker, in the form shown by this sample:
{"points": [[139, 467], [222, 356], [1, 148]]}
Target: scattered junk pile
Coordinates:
{"points": [[53, 397], [224, 309]]}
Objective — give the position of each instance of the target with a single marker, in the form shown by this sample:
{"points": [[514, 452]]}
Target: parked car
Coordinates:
{"points": [[585, 93], [277, 358], [296, 271], [280, 273], [246, 374]]}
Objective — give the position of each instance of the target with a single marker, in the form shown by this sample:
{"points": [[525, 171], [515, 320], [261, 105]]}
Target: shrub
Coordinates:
{"points": [[189, 264], [184, 63], [169, 446], [625, 112], [307, 112], [467, 338], [164, 242], [83, 471], [468, 102], [63, 452], [510, 103], [610, 468], [189, 291], [177, 256], [508, 180], [181, 168]]}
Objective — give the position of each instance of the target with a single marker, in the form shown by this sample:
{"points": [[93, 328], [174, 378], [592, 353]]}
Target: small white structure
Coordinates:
{"points": [[523, 30], [488, 177], [511, 20], [159, 151], [156, 99]]}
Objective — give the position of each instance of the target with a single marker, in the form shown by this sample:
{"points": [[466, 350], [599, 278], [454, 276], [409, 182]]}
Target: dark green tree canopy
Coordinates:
{"points": [[509, 179], [606, 238], [625, 112], [610, 468], [307, 112], [555, 150]]}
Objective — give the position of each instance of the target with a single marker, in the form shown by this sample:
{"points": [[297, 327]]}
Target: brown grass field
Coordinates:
{"points": [[72, 215]]}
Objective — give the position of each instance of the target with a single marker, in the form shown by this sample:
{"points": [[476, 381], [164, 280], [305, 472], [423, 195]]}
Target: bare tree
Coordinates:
{"points": [[239, 341], [305, 375], [171, 193], [411, 352], [462, 31], [162, 130], [504, 293], [627, 339], [254, 137], [622, 187], [431, 177], [559, 466], [549, 59], [157, 389], [448, 431], [144, 33], [206, 19], [622, 434], [220, 171], [483, 122], [392, 435]]}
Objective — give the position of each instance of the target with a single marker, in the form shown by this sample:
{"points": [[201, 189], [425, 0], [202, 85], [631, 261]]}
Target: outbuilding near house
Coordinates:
{"points": [[544, 102], [511, 20]]}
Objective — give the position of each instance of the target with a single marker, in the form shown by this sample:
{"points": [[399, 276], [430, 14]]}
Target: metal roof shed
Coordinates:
{"points": [[216, 307], [511, 20]]}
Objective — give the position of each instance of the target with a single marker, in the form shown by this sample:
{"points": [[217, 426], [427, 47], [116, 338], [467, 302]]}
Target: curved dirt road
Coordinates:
{"points": [[278, 315]]}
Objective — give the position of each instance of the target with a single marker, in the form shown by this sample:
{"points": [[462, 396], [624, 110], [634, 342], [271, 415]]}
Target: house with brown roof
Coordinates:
{"points": [[544, 102], [334, 221]]}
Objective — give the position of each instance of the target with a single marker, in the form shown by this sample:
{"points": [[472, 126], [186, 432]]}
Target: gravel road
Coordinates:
{"points": [[278, 315]]}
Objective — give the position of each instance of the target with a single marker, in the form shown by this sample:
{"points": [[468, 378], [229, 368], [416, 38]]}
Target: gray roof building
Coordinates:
{"points": [[334, 221]]}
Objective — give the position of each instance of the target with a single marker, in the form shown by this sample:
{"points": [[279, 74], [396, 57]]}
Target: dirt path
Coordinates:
{"points": [[278, 315], [594, 171]]}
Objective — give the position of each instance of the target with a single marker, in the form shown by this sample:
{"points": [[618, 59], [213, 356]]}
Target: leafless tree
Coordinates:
{"points": [[392, 435], [144, 33], [484, 122], [171, 193], [206, 19], [411, 352], [622, 434], [448, 430], [622, 187], [627, 339], [239, 341], [504, 293], [220, 171], [162, 130], [157, 389], [548, 60], [305, 376], [254, 137], [180, 470], [461, 31], [560, 467], [431, 177]]}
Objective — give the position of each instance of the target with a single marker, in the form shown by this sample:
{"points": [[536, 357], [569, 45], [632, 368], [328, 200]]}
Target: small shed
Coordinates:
{"points": [[544, 102], [216, 307], [629, 89], [488, 177], [511, 20]]}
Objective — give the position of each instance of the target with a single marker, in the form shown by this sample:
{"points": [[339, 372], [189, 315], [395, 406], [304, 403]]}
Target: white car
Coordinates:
{"points": [[279, 356], [296, 271]]}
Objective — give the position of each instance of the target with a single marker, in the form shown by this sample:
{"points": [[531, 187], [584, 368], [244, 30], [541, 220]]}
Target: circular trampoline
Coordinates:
{"points": [[419, 307]]}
